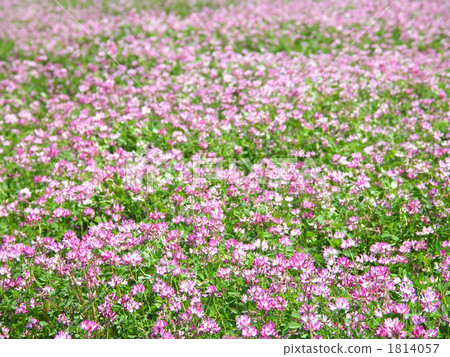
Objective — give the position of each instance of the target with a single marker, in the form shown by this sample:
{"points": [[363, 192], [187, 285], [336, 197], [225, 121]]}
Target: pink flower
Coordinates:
{"points": [[269, 330], [63, 335], [21, 309], [60, 212], [167, 336], [24, 194], [89, 212], [133, 258], [162, 289], [63, 319], [243, 321], [348, 243], [412, 207], [429, 300], [209, 326], [138, 288], [212, 290], [34, 323], [117, 281], [4, 333], [188, 286], [402, 309], [340, 304], [311, 322], [418, 332], [391, 328], [417, 320], [89, 326], [159, 326], [132, 305], [249, 331], [224, 273]]}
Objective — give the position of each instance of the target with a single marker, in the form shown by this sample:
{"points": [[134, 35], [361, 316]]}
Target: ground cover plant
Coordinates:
{"points": [[228, 169]]}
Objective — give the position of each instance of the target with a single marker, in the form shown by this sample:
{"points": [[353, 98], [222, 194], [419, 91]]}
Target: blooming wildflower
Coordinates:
{"points": [[133, 258], [381, 248], [329, 253], [136, 289], [402, 309], [425, 231], [89, 326], [89, 212], [63, 319], [268, 330], [311, 322], [4, 332], [348, 243], [209, 326], [243, 321], [418, 332], [164, 290], [249, 331], [167, 335], [117, 281], [413, 207], [188, 286], [63, 335], [159, 326], [429, 300], [33, 323], [340, 304], [118, 179], [417, 320], [391, 328], [224, 273], [339, 235], [24, 194], [132, 305], [21, 309], [212, 290]]}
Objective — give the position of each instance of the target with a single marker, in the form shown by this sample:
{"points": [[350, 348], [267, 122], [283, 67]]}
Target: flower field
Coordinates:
{"points": [[224, 169]]}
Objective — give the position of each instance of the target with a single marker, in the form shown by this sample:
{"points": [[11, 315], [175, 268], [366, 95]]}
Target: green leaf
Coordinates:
{"points": [[294, 325], [295, 314]]}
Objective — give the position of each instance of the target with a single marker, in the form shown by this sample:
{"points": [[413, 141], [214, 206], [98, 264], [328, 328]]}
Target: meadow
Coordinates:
{"points": [[224, 169]]}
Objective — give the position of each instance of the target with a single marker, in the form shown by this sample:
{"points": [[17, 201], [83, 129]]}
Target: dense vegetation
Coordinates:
{"points": [[267, 169]]}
